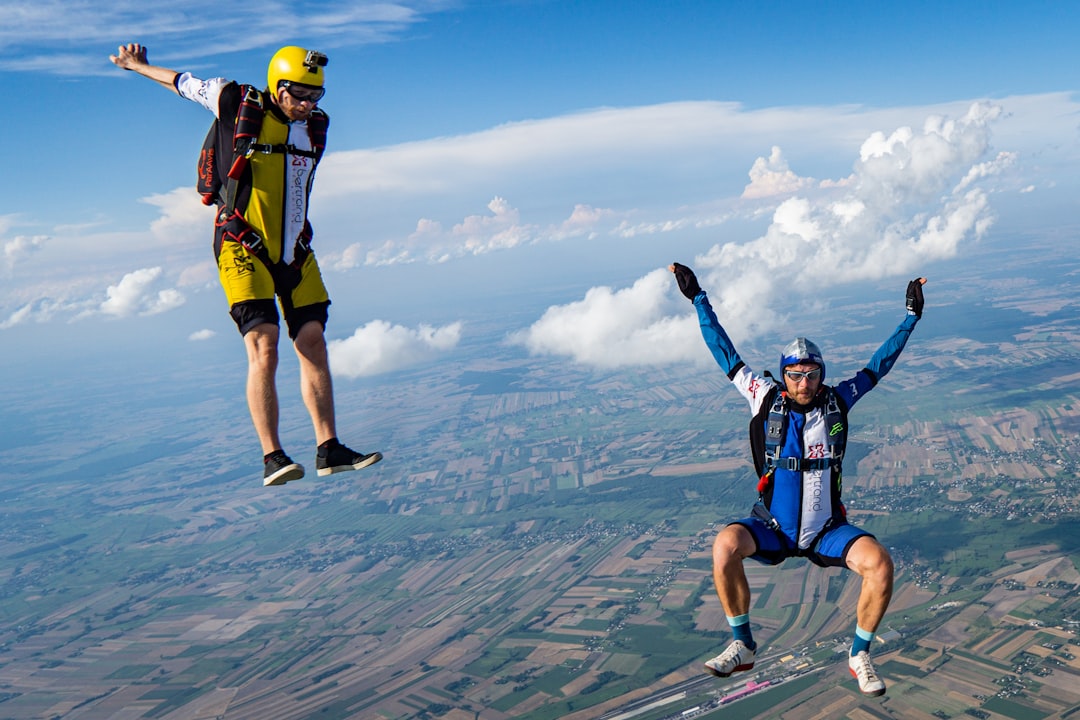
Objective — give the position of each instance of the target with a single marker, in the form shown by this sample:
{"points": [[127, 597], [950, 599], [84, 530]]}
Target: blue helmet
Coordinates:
{"points": [[801, 350]]}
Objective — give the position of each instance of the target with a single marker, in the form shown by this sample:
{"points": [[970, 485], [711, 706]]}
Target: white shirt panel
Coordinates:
{"points": [[205, 92]]}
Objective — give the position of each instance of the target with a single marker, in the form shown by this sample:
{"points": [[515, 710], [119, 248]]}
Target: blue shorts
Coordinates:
{"points": [[829, 550]]}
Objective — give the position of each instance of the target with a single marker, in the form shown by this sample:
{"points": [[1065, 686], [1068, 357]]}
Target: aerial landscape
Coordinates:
{"points": [[536, 542], [504, 188]]}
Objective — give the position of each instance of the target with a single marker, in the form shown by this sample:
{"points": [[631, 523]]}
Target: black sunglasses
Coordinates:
{"points": [[301, 92]]}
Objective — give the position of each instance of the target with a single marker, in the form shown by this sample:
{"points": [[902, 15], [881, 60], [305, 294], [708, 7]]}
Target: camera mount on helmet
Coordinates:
{"points": [[315, 60]]}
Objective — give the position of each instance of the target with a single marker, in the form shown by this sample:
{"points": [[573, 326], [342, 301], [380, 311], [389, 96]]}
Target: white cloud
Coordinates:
{"points": [[654, 169], [379, 347], [613, 328], [201, 274], [897, 215], [63, 275], [772, 176], [28, 34], [134, 294], [609, 173], [561, 146], [184, 220], [41, 310], [64, 270], [1003, 161], [204, 334], [913, 198], [502, 229], [583, 221], [21, 247]]}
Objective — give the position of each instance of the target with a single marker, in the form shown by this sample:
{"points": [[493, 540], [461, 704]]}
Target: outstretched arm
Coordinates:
{"points": [[133, 57], [890, 350], [715, 337]]}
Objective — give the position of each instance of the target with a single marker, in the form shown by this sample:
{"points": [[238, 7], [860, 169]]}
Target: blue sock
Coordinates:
{"points": [[740, 628], [862, 641]]}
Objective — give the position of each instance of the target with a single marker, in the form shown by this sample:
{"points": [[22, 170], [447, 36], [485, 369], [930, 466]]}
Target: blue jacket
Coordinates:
{"points": [[802, 501]]}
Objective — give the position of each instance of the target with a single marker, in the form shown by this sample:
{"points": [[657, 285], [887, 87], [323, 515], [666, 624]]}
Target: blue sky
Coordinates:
{"points": [[493, 153]]}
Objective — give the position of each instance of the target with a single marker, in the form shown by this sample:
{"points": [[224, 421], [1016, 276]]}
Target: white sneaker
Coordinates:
{"points": [[863, 670], [736, 658]]}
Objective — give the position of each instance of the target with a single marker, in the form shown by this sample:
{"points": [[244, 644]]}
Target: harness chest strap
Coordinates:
{"points": [[248, 125], [776, 427], [268, 149], [775, 431]]}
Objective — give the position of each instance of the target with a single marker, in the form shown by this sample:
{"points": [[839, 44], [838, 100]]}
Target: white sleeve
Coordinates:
{"points": [[205, 92], [752, 387]]}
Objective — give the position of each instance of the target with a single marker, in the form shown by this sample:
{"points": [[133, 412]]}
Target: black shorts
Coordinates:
{"points": [[250, 313]]}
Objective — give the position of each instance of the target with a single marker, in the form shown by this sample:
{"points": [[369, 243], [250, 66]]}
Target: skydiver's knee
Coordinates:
{"points": [[868, 557], [261, 343], [730, 543], [310, 341]]}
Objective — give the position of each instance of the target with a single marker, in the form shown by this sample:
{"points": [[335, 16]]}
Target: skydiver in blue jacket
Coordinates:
{"points": [[798, 434]]}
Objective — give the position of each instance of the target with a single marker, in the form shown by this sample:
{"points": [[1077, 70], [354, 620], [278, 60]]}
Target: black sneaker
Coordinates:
{"points": [[335, 458], [278, 469]]}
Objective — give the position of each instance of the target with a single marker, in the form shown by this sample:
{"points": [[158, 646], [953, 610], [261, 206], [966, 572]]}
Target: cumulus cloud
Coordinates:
{"points": [[903, 208], [772, 176], [649, 170], [676, 169], [20, 248], [40, 310], [184, 220], [135, 295], [61, 284], [204, 334], [913, 198], [612, 328], [379, 347], [203, 274], [996, 166], [501, 229], [582, 221]]}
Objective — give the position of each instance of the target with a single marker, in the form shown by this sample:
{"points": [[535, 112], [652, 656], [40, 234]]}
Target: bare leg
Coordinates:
{"points": [[316, 385], [871, 561], [261, 344], [733, 544]]}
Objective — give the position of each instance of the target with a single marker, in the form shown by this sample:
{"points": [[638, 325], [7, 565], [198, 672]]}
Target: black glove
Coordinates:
{"points": [[915, 297], [688, 284]]}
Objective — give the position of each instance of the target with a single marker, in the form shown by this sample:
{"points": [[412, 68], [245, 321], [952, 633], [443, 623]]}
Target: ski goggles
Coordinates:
{"points": [[797, 375], [303, 93]]}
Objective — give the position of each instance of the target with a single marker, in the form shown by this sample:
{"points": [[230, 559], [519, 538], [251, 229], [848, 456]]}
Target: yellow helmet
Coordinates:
{"points": [[297, 65]]}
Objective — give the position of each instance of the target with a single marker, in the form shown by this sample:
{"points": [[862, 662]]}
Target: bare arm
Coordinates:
{"points": [[133, 57]]}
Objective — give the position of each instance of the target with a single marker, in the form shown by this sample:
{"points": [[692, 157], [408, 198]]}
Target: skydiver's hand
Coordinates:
{"points": [[688, 284], [129, 56], [915, 297]]}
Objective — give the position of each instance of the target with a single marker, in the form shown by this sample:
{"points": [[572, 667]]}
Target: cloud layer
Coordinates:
{"points": [[135, 295], [612, 328], [34, 36], [913, 197], [916, 186], [380, 347]]}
